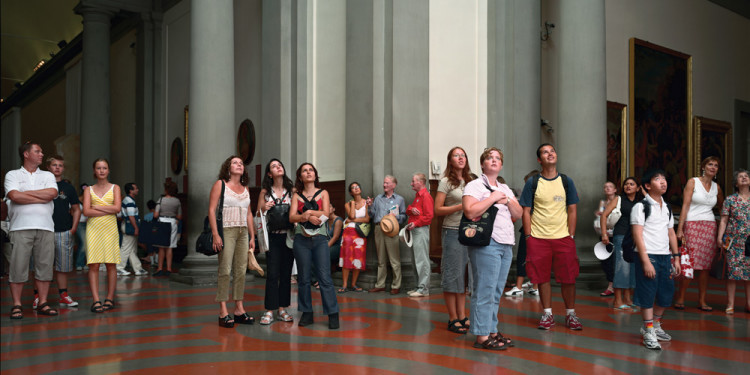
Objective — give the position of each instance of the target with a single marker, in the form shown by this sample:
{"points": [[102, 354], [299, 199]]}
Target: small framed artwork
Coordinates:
{"points": [[714, 138], [617, 130], [246, 141], [176, 156]]}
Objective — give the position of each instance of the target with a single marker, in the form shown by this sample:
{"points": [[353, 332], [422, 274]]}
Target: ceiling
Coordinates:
{"points": [[30, 31]]}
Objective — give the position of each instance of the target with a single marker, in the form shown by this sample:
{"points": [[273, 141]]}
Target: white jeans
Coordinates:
{"points": [[129, 251]]}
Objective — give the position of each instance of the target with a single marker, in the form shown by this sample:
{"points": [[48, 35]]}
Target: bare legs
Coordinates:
{"points": [[345, 277], [456, 304], [732, 288], [94, 281], [165, 252], [702, 276]]}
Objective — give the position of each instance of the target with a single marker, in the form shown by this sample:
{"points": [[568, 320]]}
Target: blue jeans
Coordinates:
{"points": [[659, 289], [624, 271], [309, 251], [81, 233], [490, 265]]}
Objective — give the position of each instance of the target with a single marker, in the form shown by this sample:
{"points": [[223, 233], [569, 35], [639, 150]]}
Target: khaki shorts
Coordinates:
{"points": [[25, 243]]}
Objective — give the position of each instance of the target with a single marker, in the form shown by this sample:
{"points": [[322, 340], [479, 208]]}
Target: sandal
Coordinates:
{"points": [[729, 310], [285, 316], [16, 312], [243, 319], [507, 340], [705, 308], [460, 328], [491, 344], [316, 285], [226, 321], [341, 290], [267, 318], [623, 307], [97, 307], [356, 289], [108, 306], [679, 306], [49, 311], [465, 322]]}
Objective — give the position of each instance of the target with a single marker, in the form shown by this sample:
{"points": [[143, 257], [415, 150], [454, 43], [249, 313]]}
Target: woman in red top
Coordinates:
{"points": [[310, 209]]}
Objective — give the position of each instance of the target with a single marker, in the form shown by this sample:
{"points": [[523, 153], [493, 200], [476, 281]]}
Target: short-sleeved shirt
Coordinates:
{"points": [[35, 215], [453, 196], [502, 229], [549, 220], [168, 207], [656, 227], [66, 198], [129, 208]]}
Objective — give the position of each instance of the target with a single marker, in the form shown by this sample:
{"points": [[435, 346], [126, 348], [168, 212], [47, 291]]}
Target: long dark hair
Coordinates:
{"points": [[298, 180], [224, 171], [452, 174], [268, 180], [638, 195]]}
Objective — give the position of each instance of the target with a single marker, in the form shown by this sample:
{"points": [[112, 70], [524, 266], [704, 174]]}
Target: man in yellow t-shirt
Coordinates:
{"points": [[549, 221]]}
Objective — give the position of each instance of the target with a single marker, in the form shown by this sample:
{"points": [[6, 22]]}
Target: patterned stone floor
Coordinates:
{"points": [[163, 327]]}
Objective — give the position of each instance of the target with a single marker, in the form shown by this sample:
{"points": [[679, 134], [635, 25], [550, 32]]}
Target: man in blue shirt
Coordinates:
{"points": [[388, 203]]}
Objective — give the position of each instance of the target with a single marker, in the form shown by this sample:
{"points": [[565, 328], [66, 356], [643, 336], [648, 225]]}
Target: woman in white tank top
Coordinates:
{"points": [[353, 246], [697, 228]]}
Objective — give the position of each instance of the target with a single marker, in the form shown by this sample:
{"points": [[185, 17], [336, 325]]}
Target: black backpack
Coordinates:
{"points": [[628, 244], [310, 205]]}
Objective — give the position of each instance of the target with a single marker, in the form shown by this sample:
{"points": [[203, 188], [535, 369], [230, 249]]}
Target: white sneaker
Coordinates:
{"points": [[411, 292], [533, 292], [419, 293], [123, 273], [660, 334], [515, 292], [36, 303], [140, 272], [649, 339], [527, 285]]}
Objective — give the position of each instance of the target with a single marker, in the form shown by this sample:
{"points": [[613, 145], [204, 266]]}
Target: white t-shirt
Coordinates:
{"points": [[30, 216], [656, 228]]}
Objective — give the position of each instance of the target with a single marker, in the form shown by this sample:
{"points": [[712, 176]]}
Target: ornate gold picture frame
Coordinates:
{"points": [[714, 138], [617, 131]]}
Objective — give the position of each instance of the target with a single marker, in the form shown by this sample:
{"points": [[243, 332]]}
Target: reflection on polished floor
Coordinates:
{"points": [[163, 327]]}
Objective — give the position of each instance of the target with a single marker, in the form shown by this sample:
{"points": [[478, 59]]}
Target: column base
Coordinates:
{"points": [[200, 270]]}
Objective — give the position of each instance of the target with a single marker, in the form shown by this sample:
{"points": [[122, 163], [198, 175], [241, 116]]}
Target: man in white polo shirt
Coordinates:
{"points": [[31, 191]]}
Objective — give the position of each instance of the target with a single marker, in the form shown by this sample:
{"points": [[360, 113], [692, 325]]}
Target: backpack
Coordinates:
{"points": [[628, 244], [310, 205], [535, 183]]}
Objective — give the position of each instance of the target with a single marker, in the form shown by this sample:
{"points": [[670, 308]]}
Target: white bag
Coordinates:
{"points": [[261, 230], [615, 215]]}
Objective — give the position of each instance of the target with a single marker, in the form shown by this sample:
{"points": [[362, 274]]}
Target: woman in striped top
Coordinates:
{"points": [[101, 203]]}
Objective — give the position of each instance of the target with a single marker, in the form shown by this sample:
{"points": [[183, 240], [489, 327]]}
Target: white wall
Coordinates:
{"points": [[176, 89], [329, 88], [716, 38], [458, 78]]}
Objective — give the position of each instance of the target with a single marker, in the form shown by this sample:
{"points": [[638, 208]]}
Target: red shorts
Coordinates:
{"points": [[544, 254]]}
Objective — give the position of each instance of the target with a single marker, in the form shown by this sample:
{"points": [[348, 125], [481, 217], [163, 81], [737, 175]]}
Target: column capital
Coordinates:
{"points": [[95, 11]]}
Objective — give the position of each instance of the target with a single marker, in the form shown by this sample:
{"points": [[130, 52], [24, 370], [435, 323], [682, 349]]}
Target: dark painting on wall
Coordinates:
{"points": [[660, 108], [714, 138], [616, 140]]}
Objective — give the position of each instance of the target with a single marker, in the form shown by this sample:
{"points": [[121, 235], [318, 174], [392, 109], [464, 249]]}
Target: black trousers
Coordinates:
{"points": [[279, 261]]}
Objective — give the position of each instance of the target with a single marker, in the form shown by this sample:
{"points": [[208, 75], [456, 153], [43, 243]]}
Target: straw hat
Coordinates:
{"points": [[603, 251], [405, 236], [389, 225]]}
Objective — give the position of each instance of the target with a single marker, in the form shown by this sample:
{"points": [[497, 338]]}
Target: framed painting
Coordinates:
{"points": [[617, 128], [714, 138], [176, 155], [660, 133], [187, 115], [246, 141]]}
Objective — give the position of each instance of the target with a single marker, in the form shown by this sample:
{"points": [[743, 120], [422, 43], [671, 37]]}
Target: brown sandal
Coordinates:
{"points": [[16, 312], [50, 311], [491, 344]]}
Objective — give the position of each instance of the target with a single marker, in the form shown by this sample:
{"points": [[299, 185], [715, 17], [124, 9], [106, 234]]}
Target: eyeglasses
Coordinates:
{"points": [[459, 156]]}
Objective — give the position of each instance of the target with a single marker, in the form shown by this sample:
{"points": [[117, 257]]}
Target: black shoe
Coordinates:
{"points": [[158, 273], [306, 319], [333, 321], [244, 319]]}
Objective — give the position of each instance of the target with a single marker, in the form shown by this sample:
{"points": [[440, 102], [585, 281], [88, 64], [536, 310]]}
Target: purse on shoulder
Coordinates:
{"points": [[277, 217], [477, 232], [204, 243]]}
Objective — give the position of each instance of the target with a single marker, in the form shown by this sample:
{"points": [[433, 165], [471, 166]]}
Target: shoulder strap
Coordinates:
{"points": [[534, 185], [646, 210], [316, 193], [220, 207]]}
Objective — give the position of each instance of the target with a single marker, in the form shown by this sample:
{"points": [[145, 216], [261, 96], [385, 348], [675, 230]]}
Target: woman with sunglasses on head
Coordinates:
{"points": [[276, 194], [353, 246], [448, 203], [310, 207]]}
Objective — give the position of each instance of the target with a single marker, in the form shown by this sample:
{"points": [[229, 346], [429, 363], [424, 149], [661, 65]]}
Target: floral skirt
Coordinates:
{"points": [[701, 243], [353, 250]]}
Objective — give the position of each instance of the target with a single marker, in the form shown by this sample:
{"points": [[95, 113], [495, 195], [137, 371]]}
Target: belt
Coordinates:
{"points": [[169, 217]]}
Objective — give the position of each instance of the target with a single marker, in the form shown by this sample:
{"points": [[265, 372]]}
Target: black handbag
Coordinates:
{"points": [[205, 242], [277, 217], [477, 232], [155, 233]]}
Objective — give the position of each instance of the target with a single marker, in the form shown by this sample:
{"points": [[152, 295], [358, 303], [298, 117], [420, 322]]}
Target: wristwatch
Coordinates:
{"points": [[676, 255]]}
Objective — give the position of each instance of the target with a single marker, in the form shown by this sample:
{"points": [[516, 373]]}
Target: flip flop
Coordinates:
{"points": [[341, 290], [623, 307], [706, 308], [679, 306]]}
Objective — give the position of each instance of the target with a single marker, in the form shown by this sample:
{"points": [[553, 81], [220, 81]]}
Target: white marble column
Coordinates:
{"points": [[211, 136], [95, 98], [582, 103]]}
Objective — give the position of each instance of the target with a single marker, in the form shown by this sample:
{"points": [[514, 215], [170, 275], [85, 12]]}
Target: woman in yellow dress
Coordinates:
{"points": [[101, 203]]}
